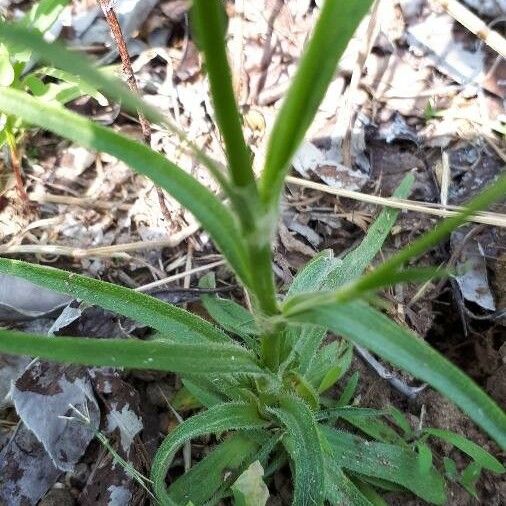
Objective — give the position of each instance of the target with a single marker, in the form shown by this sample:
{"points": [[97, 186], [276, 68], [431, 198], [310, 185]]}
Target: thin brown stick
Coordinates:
{"points": [[128, 73]]}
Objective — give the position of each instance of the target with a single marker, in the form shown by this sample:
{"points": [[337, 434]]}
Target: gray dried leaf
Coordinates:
{"points": [[43, 395], [127, 422], [293, 244], [449, 56], [10, 369], [110, 483], [397, 129], [307, 158], [339, 176], [471, 268], [20, 299], [119, 496], [26, 470]]}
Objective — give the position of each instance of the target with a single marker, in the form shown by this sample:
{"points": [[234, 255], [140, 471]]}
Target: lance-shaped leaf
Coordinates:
{"points": [[390, 271], [477, 453], [205, 478], [302, 443], [205, 206], [325, 272], [339, 489], [336, 24], [176, 323], [209, 21], [198, 358], [369, 328], [385, 461], [220, 418]]}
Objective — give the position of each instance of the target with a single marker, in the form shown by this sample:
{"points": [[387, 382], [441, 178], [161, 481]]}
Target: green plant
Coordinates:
{"points": [[261, 377], [16, 62]]}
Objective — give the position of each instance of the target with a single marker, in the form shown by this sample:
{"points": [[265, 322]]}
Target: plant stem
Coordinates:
{"points": [[16, 164], [271, 347]]}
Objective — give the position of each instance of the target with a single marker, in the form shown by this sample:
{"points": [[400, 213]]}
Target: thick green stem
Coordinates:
{"points": [[271, 347]]}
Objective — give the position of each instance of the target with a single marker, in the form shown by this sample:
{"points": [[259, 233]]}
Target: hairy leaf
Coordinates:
{"points": [[325, 272], [220, 418], [199, 358], [388, 462], [371, 329], [208, 18], [477, 453], [205, 478], [176, 323], [302, 443], [339, 489]]}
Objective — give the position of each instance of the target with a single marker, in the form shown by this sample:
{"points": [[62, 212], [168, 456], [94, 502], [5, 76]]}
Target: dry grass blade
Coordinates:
{"points": [[495, 219], [182, 275], [474, 24]]}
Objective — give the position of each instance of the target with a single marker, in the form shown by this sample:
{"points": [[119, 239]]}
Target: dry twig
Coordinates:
{"points": [[112, 21], [496, 219]]}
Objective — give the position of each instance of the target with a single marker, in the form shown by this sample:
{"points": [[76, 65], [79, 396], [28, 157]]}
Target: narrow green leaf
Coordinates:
{"points": [[370, 492], [349, 390], [477, 453], [334, 28], [249, 489], [56, 55], [339, 489], [391, 268], [205, 206], [314, 274], [199, 358], [334, 367], [450, 468], [359, 259], [400, 420], [43, 14], [469, 477], [208, 20], [206, 396], [302, 442], [325, 272], [206, 477], [233, 318], [84, 88], [374, 428], [174, 322], [369, 328], [424, 456], [346, 411], [492, 193], [183, 400], [221, 418], [388, 462]]}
